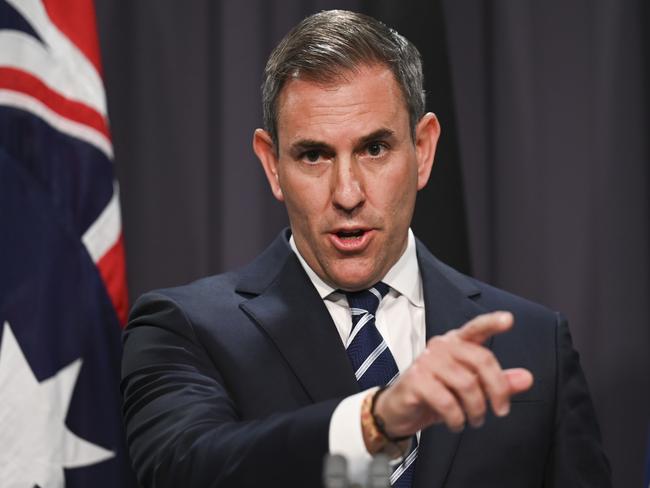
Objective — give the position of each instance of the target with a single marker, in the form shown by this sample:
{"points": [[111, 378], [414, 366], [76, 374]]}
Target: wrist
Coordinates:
{"points": [[375, 437], [379, 421]]}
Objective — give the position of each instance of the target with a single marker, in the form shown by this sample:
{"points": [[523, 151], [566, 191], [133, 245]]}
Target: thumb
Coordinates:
{"points": [[519, 379]]}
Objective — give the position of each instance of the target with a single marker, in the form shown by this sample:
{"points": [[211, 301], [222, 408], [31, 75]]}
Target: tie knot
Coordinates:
{"points": [[367, 300]]}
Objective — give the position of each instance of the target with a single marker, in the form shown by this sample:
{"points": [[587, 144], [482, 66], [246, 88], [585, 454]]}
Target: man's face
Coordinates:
{"points": [[348, 172]]}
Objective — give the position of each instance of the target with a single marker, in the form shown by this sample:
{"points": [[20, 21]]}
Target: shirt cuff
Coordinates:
{"points": [[346, 437]]}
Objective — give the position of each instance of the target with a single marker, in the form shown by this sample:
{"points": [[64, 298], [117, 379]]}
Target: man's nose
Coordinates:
{"points": [[347, 187]]}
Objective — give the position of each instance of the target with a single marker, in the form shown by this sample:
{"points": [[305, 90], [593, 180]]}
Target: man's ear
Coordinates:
{"points": [[427, 133], [266, 153]]}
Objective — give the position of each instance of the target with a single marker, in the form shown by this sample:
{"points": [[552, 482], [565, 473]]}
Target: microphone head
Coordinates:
{"points": [[379, 472], [335, 472]]}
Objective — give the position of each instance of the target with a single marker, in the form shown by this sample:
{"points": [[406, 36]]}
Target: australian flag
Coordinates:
{"points": [[62, 278]]}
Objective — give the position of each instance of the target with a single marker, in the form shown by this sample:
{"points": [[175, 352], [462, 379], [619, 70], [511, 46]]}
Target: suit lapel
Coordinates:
{"points": [[448, 306], [295, 318]]}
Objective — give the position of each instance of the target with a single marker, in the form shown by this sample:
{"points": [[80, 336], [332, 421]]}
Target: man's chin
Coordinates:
{"points": [[353, 281]]}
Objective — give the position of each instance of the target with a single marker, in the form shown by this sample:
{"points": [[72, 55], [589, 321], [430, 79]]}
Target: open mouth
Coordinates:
{"points": [[351, 240], [350, 234]]}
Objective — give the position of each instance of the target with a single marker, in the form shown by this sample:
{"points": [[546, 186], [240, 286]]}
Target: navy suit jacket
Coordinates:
{"points": [[232, 380]]}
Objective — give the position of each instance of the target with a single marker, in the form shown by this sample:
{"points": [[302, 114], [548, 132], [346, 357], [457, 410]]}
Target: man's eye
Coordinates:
{"points": [[311, 156], [376, 149]]}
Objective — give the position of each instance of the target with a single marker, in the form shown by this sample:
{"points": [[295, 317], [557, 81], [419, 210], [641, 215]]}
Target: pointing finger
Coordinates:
{"points": [[519, 379], [481, 328]]}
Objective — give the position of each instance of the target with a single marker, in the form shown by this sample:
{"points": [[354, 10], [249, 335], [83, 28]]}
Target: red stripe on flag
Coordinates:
{"points": [[112, 269], [21, 81], [76, 19]]}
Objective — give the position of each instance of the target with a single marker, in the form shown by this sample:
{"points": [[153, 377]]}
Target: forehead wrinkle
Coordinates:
{"points": [[334, 117], [364, 116], [336, 114]]}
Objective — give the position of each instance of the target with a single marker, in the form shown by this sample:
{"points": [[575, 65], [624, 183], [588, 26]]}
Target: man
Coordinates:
{"points": [[252, 377]]}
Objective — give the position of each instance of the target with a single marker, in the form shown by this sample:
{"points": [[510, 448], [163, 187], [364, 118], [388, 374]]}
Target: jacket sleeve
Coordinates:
{"points": [[182, 427], [577, 458]]}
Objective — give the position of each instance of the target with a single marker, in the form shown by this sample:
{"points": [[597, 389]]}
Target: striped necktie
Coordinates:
{"points": [[373, 362]]}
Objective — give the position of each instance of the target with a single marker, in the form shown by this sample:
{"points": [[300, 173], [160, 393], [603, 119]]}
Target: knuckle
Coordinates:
{"points": [[437, 342], [485, 358], [451, 335], [446, 404], [466, 383]]}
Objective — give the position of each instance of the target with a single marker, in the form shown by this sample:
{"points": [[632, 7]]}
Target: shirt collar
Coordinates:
{"points": [[403, 277]]}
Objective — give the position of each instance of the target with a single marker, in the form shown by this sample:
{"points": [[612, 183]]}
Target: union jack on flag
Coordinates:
{"points": [[63, 293]]}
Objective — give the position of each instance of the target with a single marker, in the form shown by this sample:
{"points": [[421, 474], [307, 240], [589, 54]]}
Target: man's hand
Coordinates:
{"points": [[453, 381]]}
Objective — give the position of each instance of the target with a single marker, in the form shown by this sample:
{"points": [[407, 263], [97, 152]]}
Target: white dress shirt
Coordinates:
{"points": [[399, 319]]}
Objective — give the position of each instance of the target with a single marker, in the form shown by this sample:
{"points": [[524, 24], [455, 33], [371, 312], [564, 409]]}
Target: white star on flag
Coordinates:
{"points": [[36, 444]]}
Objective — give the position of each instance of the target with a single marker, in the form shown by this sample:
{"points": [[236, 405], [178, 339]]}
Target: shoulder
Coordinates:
{"points": [[494, 298], [209, 292], [530, 316], [180, 316], [218, 295], [488, 296]]}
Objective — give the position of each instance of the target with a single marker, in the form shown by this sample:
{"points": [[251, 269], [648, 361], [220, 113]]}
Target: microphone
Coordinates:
{"points": [[379, 472], [335, 472]]}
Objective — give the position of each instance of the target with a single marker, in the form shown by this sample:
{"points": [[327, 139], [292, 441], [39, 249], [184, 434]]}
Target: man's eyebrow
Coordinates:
{"points": [[304, 145], [379, 134]]}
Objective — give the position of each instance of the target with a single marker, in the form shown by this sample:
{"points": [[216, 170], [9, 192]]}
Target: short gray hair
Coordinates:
{"points": [[325, 45]]}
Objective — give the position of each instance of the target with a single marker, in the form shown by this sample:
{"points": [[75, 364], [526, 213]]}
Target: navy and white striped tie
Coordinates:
{"points": [[373, 362]]}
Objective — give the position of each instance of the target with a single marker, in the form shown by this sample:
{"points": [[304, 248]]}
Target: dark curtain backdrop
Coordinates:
{"points": [[553, 127], [540, 184]]}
